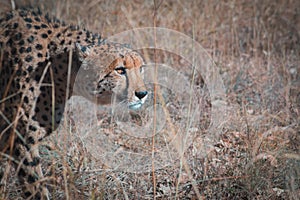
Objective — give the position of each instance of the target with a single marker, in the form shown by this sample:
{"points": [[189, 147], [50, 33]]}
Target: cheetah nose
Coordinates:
{"points": [[141, 94]]}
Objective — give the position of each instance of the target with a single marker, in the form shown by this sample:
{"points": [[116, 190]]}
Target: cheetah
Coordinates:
{"points": [[41, 58]]}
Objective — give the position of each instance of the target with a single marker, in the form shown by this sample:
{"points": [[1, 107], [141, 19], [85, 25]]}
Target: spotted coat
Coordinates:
{"points": [[40, 60]]}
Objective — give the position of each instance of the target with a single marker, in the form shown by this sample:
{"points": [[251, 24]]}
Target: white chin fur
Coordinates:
{"points": [[135, 106]]}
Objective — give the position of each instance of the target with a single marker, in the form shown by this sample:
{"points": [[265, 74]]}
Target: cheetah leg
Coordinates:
{"points": [[30, 173], [4, 179], [38, 169]]}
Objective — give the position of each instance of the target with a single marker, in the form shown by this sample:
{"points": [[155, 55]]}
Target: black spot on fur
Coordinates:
{"points": [[22, 50], [21, 172], [37, 19], [30, 140], [26, 100], [22, 13], [29, 20], [25, 162], [45, 117], [88, 34], [9, 16], [49, 131], [6, 33], [13, 51], [37, 78], [41, 64], [28, 58], [30, 39], [24, 73], [44, 35], [31, 179], [73, 28], [28, 50], [27, 194], [9, 42], [47, 18], [17, 152], [32, 128], [22, 42], [18, 72], [37, 109], [15, 25], [39, 47], [30, 68], [28, 26], [35, 161], [16, 60], [44, 26], [18, 36], [37, 27]]}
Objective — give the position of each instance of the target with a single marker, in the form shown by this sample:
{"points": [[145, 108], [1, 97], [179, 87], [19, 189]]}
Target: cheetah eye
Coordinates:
{"points": [[121, 70]]}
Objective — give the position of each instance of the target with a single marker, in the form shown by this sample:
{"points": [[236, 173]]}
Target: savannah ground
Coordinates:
{"points": [[256, 49]]}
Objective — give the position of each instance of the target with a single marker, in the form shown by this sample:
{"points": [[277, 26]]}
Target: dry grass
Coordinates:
{"points": [[256, 48]]}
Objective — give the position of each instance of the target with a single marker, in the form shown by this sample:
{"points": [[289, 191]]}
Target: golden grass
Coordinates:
{"points": [[255, 46]]}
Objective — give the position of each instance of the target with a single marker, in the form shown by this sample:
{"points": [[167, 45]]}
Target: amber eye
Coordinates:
{"points": [[121, 70]]}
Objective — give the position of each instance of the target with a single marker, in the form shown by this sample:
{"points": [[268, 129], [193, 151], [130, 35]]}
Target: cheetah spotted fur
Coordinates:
{"points": [[34, 74]]}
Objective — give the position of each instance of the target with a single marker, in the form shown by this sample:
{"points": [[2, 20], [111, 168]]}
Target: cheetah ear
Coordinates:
{"points": [[83, 51]]}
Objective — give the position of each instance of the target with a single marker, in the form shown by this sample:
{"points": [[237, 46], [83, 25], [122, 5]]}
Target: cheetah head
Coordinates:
{"points": [[111, 73]]}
